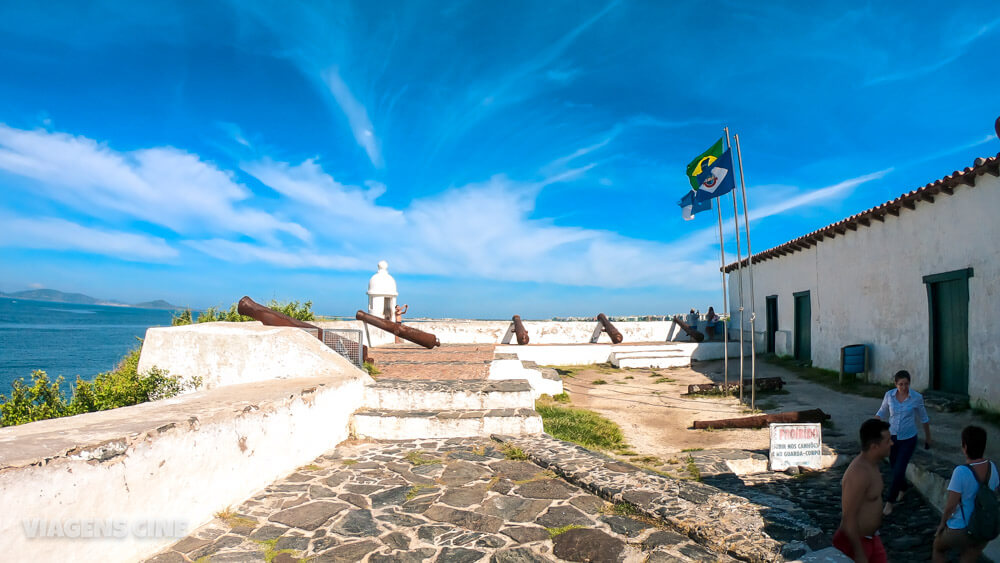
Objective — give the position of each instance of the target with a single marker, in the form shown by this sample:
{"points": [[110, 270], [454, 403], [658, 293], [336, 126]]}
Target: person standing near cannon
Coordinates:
{"points": [[400, 311]]}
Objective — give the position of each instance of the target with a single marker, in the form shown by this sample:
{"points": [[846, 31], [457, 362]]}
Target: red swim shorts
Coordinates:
{"points": [[872, 547]]}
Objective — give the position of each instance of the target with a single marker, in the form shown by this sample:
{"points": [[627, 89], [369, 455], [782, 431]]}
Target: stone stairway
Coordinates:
{"points": [[401, 409], [659, 356]]}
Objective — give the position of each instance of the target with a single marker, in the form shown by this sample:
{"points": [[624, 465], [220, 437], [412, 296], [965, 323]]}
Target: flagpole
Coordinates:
{"points": [[753, 307], [725, 303], [739, 272]]}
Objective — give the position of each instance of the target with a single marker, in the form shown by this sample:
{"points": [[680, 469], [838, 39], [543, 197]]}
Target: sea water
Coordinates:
{"points": [[68, 339]]}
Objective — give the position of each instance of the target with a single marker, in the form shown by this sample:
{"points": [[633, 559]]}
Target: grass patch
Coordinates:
{"points": [[600, 382], [416, 457], [478, 450], [650, 459], [581, 426], [553, 532], [673, 461], [692, 449], [416, 489], [629, 377], [513, 452], [664, 380], [371, 368], [827, 378], [348, 461], [269, 552], [561, 397], [692, 469], [310, 467], [234, 521], [627, 453]]}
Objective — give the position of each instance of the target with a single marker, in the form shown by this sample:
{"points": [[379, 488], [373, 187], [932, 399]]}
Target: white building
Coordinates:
{"points": [[917, 279]]}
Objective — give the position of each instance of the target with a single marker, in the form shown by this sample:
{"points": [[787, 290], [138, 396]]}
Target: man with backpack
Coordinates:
{"points": [[971, 516]]}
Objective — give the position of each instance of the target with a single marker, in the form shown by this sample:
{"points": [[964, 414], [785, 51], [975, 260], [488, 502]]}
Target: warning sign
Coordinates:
{"points": [[796, 444]]}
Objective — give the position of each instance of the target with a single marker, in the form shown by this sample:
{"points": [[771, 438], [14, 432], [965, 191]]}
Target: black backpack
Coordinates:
{"points": [[984, 523]]}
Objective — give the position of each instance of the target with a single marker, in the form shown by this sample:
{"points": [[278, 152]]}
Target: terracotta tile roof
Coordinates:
{"points": [[909, 200]]}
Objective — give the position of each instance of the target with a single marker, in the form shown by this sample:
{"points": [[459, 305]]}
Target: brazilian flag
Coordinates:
{"points": [[701, 163]]}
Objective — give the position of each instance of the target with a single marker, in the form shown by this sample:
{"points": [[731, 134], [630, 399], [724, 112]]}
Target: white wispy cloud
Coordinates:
{"points": [[51, 233], [242, 252], [356, 114], [163, 186]]}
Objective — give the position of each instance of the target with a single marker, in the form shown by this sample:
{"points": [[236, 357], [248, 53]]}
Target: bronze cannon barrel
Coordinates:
{"points": [[250, 308], [519, 330], [425, 339], [694, 334], [609, 328]]}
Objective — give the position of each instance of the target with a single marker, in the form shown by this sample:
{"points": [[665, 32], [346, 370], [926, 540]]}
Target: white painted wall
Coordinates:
{"points": [[231, 353], [866, 287], [180, 459], [458, 331]]}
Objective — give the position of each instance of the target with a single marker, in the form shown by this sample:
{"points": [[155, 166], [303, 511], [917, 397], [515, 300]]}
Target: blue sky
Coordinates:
{"points": [[514, 157]]}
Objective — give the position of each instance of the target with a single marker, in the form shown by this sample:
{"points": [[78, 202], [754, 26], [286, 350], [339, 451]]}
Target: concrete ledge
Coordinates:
{"points": [[407, 425], [232, 353], [452, 394], [179, 460], [589, 354], [540, 379]]}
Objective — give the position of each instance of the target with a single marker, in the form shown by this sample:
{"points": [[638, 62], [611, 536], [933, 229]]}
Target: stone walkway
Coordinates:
{"points": [[454, 500], [456, 361]]}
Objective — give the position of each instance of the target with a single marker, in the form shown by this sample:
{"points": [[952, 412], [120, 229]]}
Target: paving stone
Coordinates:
{"points": [[308, 516], [584, 544], [418, 505], [464, 496], [267, 532], [396, 540], [393, 497], [296, 542], [518, 555], [336, 479], [696, 552], [560, 516], [588, 503], [360, 501], [324, 543], [514, 509], [626, 526], [347, 553], [298, 478], [285, 558], [431, 532], [357, 523], [464, 518], [459, 555], [237, 557], [362, 489], [462, 472], [400, 520], [415, 556], [503, 486], [526, 534], [319, 491], [515, 470], [169, 557], [190, 544], [489, 540], [663, 538], [293, 502], [546, 488]]}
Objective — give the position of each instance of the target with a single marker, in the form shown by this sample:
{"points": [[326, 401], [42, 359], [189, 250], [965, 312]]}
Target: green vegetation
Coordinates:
{"points": [[415, 490], [664, 380], [417, 458], [692, 449], [625, 509], [513, 452], [580, 426], [828, 378], [574, 370], [692, 469], [553, 532], [43, 399], [371, 368], [294, 309], [561, 397], [600, 382], [629, 377], [348, 461], [269, 551]]}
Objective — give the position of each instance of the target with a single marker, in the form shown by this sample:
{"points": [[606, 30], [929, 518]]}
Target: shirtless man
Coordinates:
{"points": [[861, 497]]}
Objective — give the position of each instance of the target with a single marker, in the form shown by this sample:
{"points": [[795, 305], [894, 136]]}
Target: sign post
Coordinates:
{"points": [[796, 444]]}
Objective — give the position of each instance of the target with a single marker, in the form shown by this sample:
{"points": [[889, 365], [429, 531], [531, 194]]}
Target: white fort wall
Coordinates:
{"points": [[177, 460], [866, 287]]}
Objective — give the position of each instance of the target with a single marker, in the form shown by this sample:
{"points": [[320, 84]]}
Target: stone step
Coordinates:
{"points": [[447, 395], [649, 359], [620, 348], [412, 424]]}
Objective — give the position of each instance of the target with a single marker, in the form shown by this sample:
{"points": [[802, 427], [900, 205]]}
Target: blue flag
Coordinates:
{"points": [[716, 178], [690, 205]]}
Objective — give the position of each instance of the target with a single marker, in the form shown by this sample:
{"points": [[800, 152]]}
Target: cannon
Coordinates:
{"points": [[250, 308], [519, 330], [425, 339], [694, 334], [760, 421], [606, 326]]}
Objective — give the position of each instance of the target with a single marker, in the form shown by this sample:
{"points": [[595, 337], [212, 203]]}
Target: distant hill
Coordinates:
{"points": [[56, 296]]}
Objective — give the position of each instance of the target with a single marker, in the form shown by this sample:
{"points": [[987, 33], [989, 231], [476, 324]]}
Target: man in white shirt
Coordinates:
{"points": [[965, 482]]}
